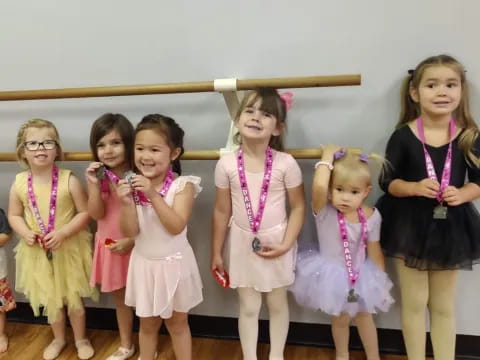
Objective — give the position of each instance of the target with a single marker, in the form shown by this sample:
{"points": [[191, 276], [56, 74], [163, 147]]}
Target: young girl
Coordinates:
{"points": [[111, 142], [430, 225], [253, 186], [347, 278], [7, 302], [163, 279], [48, 211]]}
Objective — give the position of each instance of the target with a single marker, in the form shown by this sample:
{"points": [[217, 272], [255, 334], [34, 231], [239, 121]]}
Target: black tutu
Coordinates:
{"points": [[410, 232]]}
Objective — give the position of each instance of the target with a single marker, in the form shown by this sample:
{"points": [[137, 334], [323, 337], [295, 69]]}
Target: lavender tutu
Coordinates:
{"points": [[322, 284]]}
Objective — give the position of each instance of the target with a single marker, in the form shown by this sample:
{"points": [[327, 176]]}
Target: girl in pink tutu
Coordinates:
{"points": [[163, 280], [253, 187], [111, 142], [347, 278]]}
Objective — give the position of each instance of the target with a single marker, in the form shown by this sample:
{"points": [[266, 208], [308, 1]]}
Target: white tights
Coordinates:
{"points": [[250, 304]]}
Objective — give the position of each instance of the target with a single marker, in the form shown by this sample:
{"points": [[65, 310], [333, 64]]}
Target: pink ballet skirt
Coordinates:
{"points": [[322, 284]]}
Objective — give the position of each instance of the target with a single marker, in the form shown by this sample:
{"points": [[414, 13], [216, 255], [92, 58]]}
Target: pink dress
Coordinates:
{"points": [[245, 267], [109, 269], [163, 274]]}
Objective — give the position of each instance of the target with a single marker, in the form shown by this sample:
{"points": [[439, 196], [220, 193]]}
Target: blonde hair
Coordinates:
{"points": [[22, 133], [355, 165], [411, 110], [273, 104]]}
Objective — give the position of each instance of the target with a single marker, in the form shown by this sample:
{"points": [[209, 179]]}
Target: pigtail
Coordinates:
{"points": [[409, 109]]}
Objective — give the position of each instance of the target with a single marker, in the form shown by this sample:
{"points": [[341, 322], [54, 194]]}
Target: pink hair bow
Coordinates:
{"points": [[287, 98]]}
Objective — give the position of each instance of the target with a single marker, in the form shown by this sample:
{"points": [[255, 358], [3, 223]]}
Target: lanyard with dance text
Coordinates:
{"points": [[111, 176], [141, 199], [255, 220], [440, 211], [353, 274], [52, 206]]}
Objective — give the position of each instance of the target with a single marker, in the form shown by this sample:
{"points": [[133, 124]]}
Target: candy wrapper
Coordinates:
{"points": [[7, 302], [222, 279]]}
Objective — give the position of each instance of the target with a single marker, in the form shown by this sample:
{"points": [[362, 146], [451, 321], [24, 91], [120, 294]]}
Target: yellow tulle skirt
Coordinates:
{"points": [[61, 281]]}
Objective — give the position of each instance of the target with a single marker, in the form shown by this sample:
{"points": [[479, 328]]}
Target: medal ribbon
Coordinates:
{"points": [[140, 198], [428, 160], [112, 177], [351, 272], [256, 220], [53, 202]]}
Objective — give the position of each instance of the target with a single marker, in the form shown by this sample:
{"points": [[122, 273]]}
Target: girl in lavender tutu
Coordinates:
{"points": [[347, 278]]}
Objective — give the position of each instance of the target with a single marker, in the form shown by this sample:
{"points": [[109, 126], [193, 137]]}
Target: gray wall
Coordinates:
{"points": [[55, 44]]}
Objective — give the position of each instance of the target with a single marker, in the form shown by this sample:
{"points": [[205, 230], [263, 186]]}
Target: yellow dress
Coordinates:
{"points": [[64, 279]]}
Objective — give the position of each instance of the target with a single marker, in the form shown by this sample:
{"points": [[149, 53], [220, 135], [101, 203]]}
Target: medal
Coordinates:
{"points": [[255, 220], [352, 274], [352, 297], [139, 197], [100, 172], [256, 245], [440, 211]]}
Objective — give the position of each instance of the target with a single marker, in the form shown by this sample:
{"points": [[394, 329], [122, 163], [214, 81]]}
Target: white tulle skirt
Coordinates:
{"points": [[322, 284]]}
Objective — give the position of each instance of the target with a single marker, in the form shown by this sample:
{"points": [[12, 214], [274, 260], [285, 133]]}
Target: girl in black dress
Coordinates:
{"points": [[429, 223]]}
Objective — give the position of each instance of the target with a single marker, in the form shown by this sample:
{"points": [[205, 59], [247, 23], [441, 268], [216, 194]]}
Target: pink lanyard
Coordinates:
{"points": [[255, 221], [53, 202], [428, 160], [113, 178], [140, 198], [347, 252]]}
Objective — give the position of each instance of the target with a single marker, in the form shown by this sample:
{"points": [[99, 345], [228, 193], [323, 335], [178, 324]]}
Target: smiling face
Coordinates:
{"points": [[153, 155], [111, 150], [41, 157], [439, 92]]}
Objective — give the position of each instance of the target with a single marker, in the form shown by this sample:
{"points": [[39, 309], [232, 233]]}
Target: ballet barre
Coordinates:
{"points": [[219, 85]]}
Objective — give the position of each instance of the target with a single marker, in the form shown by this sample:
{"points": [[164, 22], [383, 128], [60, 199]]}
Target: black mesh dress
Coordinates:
{"points": [[409, 230]]}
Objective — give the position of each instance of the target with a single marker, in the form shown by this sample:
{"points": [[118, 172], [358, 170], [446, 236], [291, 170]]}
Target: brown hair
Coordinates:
{"points": [[38, 124], [168, 128], [109, 122], [273, 104], [411, 110]]}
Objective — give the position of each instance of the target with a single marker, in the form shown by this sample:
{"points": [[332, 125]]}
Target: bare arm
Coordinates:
{"points": [[375, 253], [128, 213], [321, 179], [95, 205], [15, 217], [221, 216], [5, 238]]}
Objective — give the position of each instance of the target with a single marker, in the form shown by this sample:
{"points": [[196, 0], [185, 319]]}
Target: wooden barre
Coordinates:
{"points": [[186, 87], [313, 153]]}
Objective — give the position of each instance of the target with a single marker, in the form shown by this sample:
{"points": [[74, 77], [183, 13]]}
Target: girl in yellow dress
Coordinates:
{"points": [[48, 211]]}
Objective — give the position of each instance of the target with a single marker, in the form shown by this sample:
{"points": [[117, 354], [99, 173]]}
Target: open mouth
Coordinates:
{"points": [[254, 127]]}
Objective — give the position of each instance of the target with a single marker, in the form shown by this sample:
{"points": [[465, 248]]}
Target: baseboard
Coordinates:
{"points": [[391, 341]]}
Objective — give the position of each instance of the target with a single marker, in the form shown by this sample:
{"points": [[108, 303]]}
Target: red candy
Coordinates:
{"points": [[109, 242], [222, 279]]}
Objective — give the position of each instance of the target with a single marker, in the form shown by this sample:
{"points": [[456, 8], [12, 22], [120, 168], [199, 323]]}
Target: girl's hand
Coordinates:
{"points": [[453, 196], [124, 192], [31, 238], [54, 239], [329, 150], [90, 172], [141, 183], [272, 250], [217, 263], [122, 246], [427, 188]]}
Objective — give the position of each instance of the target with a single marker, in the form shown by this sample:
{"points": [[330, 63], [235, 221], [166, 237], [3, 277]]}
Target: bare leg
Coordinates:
{"points": [[148, 336], [414, 293], [124, 318], [341, 335], [58, 328], [279, 321], [368, 334], [77, 320], [250, 303], [3, 335], [179, 330], [443, 285]]}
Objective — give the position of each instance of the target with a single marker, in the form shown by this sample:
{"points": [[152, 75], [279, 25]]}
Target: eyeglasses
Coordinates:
{"points": [[35, 145]]}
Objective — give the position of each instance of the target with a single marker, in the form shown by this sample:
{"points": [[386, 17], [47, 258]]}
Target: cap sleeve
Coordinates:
{"points": [[183, 180], [373, 225], [221, 174], [293, 174], [4, 226], [395, 159]]}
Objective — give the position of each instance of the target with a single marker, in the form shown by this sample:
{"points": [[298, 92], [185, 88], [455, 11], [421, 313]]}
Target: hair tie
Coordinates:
{"points": [[339, 154], [287, 98], [363, 158]]}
